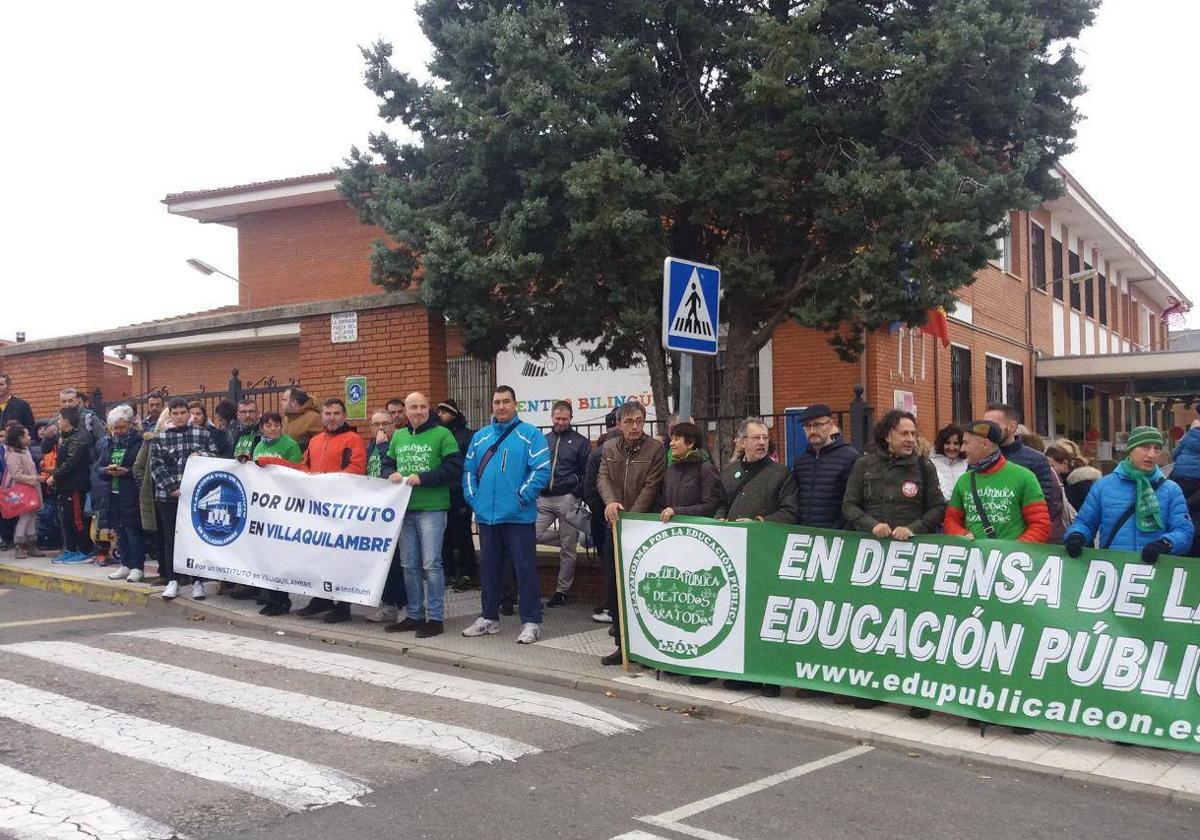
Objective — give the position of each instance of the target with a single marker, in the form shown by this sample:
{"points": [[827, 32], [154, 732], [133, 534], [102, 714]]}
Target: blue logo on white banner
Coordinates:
{"points": [[691, 297], [219, 508]]}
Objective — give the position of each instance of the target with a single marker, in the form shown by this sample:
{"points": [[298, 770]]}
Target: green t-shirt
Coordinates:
{"points": [[1003, 494], [282, 447], [423, 453]]}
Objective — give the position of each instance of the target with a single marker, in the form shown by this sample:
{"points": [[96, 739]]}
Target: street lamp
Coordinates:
{"points": [[208, 270]]}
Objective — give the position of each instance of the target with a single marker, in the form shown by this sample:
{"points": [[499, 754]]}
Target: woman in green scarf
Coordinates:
{"points": [[1134, 508]]}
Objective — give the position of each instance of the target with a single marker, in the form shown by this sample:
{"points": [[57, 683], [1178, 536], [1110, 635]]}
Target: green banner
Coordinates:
{"points": [[1014, 633]]}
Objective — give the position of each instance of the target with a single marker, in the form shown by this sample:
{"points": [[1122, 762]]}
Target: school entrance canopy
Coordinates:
{"points": [[1147, 388]]}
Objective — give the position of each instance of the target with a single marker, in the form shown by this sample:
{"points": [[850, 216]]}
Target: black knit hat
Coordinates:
{"points": [[449, 406], [610, 419]]}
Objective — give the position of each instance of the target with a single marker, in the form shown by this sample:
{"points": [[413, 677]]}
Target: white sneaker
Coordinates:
{"points": [[171, 591], [602, 617], [136, 576], [197, 591], [385, 614], [120, 574], [530, 633], [482, 627]]}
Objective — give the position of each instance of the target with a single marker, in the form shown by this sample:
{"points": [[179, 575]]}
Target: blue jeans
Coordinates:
{"points": [[421, 556], [516, 541], [132, 543]]}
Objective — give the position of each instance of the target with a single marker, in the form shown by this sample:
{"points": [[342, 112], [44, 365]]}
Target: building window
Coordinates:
{"points": [[1005, 383], [1103, 300], [1105, 418], [960, 384], [1004, 251], [1041, 407], [1072, 270], [716, 371], [1037, 256], [1089, 294], [1056, 267]]}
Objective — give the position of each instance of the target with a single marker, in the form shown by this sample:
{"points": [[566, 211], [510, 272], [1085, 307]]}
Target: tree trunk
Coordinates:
{"points": [[660, 384], [735, 382]]}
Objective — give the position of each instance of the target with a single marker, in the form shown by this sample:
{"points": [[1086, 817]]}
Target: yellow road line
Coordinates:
{"points": [[63, 619]]}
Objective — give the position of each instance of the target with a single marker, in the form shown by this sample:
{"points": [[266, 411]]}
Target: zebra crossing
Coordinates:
{"points": [[83, 702]]}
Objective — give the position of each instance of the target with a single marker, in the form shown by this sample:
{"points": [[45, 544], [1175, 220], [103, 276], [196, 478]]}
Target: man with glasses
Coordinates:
{"points": [[632, 468], [822, 469], [244, 431]]}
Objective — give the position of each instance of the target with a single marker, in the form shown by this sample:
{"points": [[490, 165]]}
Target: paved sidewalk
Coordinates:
{"points": [[570, 652]]}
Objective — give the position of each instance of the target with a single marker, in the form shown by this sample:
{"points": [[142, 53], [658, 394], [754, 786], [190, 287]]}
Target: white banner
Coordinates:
{"points": [[330, 535], [564, 374]]}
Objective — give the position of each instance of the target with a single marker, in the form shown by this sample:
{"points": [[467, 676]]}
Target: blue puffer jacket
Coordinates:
{"points": [[1187, 456], [1112, 495], [123, 507], [821, 477], [507, 490]]}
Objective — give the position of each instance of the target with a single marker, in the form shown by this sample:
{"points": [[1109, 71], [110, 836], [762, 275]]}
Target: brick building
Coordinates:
{"points": [[1065, 324]]}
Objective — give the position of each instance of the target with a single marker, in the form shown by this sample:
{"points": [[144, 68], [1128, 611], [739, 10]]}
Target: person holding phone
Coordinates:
{"points": [[123, 514]]}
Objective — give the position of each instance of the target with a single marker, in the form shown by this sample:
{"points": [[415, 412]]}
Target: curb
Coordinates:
{"points": [[118, 594], [99, 591]]}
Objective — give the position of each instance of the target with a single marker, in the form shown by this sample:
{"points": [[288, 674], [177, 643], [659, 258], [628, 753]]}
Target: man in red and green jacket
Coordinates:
{"points": [[995, 498]]}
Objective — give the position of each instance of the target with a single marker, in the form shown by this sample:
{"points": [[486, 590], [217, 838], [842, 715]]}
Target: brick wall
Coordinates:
{"points": [[806, 370], [297, 254], [117, 383], [400, 349], [185, 371], [38, 377]]}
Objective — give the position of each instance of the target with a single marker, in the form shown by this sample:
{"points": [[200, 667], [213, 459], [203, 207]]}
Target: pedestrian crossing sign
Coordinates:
{"points": [[691, 297]]}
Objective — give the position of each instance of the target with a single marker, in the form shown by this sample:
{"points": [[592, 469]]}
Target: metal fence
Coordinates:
{"points": [[787, 437], [470, 383], [267, 392]]}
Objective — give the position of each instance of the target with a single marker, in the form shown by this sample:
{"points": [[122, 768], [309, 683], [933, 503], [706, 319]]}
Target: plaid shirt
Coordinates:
{"points": [[169, 453]]}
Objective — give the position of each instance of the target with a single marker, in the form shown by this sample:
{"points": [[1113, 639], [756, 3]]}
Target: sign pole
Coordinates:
{"points": [[684, 409], [620, 616]]}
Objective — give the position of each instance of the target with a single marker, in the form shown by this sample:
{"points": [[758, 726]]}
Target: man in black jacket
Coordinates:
{"points": [[822, 469], [13, 407], [569, 452], [458, 545], [1005, 416]]}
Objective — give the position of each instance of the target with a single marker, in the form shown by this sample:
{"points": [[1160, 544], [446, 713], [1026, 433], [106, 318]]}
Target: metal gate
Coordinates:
{"points": [[471, 382]]}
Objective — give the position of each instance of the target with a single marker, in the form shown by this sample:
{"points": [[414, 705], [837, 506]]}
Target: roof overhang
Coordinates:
{"points": [[223, 206], [1169, 373], [197, 325], [1084, 217], [247, 335]]}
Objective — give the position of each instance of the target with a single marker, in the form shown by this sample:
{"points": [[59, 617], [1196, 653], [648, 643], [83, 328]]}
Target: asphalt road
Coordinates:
{"points": [[183, 728]]}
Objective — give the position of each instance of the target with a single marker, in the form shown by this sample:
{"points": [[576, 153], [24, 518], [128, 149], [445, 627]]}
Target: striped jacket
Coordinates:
{"points": [[169, 453], [507, 490]]}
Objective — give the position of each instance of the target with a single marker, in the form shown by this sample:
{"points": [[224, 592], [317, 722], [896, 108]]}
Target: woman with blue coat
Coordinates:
{"points": [[1135, 508]]}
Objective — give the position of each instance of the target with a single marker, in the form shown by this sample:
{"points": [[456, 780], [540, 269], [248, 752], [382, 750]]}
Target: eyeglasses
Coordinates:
{"points": [[633, 421], [816, 424], [758, 437]]}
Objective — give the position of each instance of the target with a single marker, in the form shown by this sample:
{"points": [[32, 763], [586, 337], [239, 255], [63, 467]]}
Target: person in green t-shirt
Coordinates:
{"points": [[428, 459], [274, 443], [1007, 494]]}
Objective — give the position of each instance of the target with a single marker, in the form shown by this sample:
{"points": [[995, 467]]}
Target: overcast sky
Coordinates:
{"points": [[110, 106]]}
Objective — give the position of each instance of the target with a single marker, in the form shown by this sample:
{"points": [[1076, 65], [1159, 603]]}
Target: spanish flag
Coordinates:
{"points": [[937, 326]]}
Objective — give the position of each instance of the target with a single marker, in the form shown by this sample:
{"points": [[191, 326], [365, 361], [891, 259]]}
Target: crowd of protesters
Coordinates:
{"points": [[519, 486]]}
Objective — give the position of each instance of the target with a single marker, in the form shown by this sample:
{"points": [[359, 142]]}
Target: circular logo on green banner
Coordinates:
{"points": [[684, 591]]}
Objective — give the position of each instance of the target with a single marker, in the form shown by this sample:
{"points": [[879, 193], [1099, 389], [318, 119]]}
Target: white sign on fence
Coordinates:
{"points": [[330, 536], [343, 327]]}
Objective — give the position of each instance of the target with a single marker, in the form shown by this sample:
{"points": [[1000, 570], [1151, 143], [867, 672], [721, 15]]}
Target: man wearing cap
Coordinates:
{"points": [[822, 470], [1134, 508], [995, 498]]}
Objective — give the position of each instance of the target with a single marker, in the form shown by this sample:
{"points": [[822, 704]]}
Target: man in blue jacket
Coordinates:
{"points": [[822, 470], [569, 452], [1134, 508], [507, 465]]}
